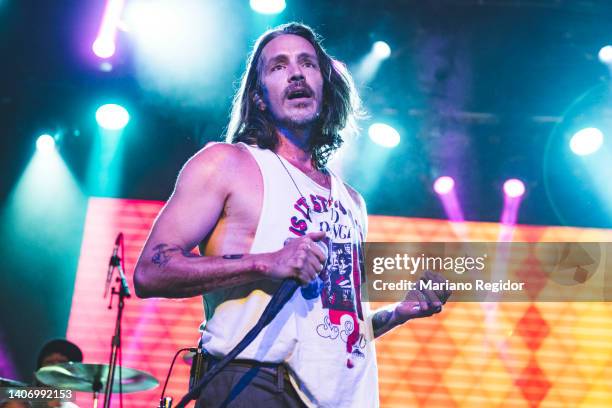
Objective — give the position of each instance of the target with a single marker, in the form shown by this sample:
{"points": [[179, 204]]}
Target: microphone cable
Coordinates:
{"points": [[163, 393], [278, 300]]}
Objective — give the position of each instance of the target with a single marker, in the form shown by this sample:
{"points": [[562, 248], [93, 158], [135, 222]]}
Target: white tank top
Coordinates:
{"points": [[327, 341]]}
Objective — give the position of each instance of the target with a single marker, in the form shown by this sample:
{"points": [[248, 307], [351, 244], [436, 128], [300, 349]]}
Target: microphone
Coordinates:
{"points": [[112, 263], [315, 287]]}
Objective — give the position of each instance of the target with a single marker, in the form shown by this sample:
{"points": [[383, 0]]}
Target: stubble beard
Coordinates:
{"points": [[298, 121]]}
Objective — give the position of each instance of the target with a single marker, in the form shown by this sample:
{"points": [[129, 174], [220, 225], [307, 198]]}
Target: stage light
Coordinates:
{"points": [[45, 143], [381, 50], [444, 185], [586, 141], [384, 135], [514, 188], [176, 50], [103, 48], [605, 54], [365, 70], [513, 195], [268, 6], [112, 116], [44, 210], [104, 44], [106, 156]]}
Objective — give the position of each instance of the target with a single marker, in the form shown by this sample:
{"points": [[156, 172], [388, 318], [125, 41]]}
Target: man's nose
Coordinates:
{"points": [[296, 73]]}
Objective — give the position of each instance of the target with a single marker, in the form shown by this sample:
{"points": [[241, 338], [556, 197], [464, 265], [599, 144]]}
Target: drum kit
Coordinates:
{"points": [[107, 379], [104, 379]]}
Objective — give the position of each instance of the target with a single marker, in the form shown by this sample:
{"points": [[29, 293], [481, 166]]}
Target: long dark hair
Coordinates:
{"points": [[341, 105]]}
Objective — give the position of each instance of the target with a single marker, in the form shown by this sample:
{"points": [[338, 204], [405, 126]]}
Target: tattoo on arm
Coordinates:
{"points": [[178, 278], [380, 322], [163, 253], [233, 256]]}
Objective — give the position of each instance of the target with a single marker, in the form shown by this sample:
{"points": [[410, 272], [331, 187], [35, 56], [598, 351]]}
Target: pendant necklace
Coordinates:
{"points": [[296, 186]]}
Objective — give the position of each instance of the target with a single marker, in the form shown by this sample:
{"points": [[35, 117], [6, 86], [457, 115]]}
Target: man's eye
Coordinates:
{"points": [[277, 67], [309, 65]]}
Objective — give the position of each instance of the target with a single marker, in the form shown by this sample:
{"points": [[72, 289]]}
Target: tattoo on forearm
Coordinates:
{"points": [[163, 253], [380, 321], [233, 256]]}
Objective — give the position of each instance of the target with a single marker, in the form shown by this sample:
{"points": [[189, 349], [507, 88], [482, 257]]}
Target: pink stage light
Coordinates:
{"points": [[103, 48], [104, 45], [513, 194], [445, 188], [444, 185], [514, 188]]}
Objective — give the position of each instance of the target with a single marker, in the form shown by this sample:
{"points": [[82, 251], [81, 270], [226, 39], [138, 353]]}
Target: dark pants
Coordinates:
{"points": [[251, 386]]}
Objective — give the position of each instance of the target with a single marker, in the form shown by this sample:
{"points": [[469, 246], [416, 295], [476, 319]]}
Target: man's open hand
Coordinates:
{"points": [[422, 303]]}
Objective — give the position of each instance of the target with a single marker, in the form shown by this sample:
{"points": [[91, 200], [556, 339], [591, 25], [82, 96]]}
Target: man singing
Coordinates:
{"points": [[264, 207]]}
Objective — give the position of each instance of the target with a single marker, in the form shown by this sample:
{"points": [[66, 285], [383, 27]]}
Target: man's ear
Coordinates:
{"points": [[261, 105]]}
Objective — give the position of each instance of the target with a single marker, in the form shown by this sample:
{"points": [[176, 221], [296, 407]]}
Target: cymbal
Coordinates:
{"points": [[91, 377], [6, 382]]}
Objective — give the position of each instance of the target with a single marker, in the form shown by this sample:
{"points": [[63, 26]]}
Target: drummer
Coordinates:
{"points": [[55, 351], [58, 351]]}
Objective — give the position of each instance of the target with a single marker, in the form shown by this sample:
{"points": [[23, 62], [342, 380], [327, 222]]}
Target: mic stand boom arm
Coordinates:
{"points": [[123, 292]]}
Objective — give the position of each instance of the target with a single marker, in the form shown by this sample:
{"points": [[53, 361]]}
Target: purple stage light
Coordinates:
{"points": [[104, 45], [444, 185], [514, 188], [7, 367], [513, 194]]}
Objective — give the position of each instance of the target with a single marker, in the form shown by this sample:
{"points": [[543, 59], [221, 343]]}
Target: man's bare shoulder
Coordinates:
{"points": [[219, 157], [355, 196], [220, 153], [218, 163]]}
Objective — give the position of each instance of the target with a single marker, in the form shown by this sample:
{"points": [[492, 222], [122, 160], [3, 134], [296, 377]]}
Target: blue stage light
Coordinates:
{"points": [[605, 54], [268, 6], [45, 143], [381, 49], [112, 116], [586, 141], [384, 135]]}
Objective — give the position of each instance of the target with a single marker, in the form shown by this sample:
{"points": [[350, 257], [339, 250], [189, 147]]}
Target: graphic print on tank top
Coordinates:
{"points": [[341, 276]]}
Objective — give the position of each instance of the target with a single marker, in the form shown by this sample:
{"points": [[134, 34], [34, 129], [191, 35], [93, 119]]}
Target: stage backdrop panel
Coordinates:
{"points": [[532, 354]]}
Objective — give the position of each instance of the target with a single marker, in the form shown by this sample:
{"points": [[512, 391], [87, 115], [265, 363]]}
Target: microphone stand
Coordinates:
{"points": [[123, 293]]}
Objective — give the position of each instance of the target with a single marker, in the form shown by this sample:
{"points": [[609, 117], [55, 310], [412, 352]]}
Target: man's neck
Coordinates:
{"points": [[295, 150], [293, 146]]}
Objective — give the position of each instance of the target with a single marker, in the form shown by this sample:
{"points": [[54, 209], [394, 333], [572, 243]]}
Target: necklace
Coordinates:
{"points": [[295, 184]]}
